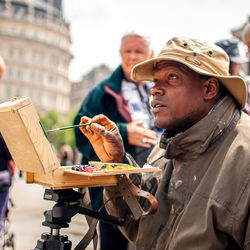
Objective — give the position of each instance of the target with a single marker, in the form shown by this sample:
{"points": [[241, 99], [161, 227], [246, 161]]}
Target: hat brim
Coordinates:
{"points": [[236, 86]]}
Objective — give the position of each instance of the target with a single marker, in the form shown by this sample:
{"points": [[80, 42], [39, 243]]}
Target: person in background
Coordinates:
{"points": [[5, 177], [237, 55], [6, 167], [126, 102], [246, 37], [66, 155], [246, 40], [204, 191]]}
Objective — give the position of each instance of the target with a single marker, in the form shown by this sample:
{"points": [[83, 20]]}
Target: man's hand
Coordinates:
{"points": [[2, 66], [105, 138], [139, 136]]}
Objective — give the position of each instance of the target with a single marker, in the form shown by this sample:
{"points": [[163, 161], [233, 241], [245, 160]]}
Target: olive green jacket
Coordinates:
{"points": [[204, 191]]}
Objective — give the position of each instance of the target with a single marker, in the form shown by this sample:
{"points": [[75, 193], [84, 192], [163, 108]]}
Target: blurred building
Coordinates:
{"points": [[81, 88], [35, 44]]}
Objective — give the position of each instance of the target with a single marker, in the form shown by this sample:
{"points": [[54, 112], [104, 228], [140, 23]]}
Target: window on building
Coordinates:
{"points": [[51, 79], [32, 76], [19, 74], [12, 31], [40, 13], [43, 1], [38, 97], [54, 60], [41, 57], [7, 92], [9, 72], [57, 4], [55, 80], [56, 14], [2, 5], [17, 92], [33, 56], [21, 33], [51, 99], [40, 77], [19, 8], [35, 35], [42, 37], [11, 52], [20, 54]]}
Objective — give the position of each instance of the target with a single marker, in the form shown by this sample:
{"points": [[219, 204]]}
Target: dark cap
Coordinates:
{"points": [[234, 49]]}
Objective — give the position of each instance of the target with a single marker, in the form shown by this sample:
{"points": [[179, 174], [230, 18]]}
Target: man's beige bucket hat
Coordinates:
{"points": [[203, 58]]}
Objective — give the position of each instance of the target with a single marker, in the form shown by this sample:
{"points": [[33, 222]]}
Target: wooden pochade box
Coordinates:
{"points": [[32, 152]]}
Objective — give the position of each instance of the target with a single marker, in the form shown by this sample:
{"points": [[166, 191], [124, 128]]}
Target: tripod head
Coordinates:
{"points": [[67, 205]]}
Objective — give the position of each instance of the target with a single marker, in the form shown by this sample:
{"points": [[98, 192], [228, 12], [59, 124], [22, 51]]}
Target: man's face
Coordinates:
{"points": [[177, 96], [133, 50]]}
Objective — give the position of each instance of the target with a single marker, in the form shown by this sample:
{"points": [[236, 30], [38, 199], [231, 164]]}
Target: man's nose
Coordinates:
{"points": [[133, 55], [157, 90]]}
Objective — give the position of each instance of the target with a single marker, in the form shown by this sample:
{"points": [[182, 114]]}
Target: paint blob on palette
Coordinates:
{"points": [[100, 168], [105, 167]]}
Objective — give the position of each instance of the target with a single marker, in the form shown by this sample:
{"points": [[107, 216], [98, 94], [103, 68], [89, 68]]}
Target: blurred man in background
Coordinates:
{"points": [[237, 55], [126, 102], [246, 37], [246, 40]]}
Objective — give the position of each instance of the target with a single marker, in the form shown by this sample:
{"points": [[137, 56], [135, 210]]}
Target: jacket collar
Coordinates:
{"points": [[115, 80], [200, 136]]}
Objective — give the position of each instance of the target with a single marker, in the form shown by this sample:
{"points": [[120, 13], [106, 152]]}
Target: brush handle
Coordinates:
{"points": [[73, 126]]}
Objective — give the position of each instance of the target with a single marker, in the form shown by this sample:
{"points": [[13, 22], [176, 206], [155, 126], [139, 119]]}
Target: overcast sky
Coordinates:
{"points": [[96, 26]]}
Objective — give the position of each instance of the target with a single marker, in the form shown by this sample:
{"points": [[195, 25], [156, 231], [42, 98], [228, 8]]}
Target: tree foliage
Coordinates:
{"points": [[53, 119]]}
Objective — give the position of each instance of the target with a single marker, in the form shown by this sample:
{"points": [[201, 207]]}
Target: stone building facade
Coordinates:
{"points": [[35, 44], [81, 88]]}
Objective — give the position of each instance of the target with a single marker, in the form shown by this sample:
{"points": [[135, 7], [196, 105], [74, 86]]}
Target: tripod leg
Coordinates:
{"points": [[52, 242]]}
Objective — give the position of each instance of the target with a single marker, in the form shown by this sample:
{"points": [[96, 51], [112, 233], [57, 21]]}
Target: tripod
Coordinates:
{"points": [[67, 205]]}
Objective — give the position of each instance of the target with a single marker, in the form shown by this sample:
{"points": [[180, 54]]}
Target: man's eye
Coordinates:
{"points": [[172, 77], [138, 52], [127, 51]]}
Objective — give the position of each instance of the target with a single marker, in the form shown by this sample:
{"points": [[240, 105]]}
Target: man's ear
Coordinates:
{"points": [[211, 88]]}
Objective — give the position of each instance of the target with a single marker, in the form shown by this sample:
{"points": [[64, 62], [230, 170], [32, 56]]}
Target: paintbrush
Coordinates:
{"points": [[63, 128]]}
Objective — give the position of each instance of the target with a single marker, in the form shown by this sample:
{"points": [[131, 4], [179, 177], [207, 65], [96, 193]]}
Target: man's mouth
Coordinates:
{"points": [[158, 106], [155, 105]]}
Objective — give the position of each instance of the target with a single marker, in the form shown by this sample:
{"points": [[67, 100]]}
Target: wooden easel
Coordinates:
{"points": [[32, 152]]}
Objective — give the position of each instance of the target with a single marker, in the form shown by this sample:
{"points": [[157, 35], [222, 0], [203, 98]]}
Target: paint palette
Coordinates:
{"points": [[95, 168]]}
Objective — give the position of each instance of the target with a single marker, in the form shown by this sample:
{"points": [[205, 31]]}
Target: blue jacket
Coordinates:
{"points": [[105, 98]]}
